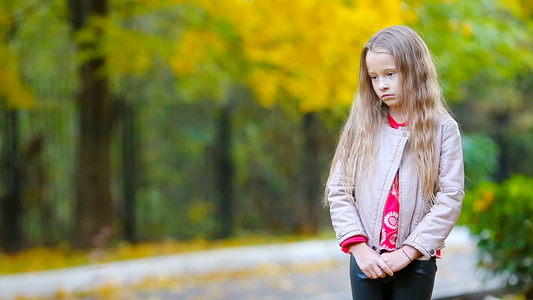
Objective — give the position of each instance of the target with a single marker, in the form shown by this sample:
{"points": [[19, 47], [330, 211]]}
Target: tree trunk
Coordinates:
{"points": [[11, 233], [12, 198], [129, 170], [94, 208], [307, 210], [224, 174]]}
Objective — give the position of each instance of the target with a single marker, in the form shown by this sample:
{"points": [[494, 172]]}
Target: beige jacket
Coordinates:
{"points": [[420, 226]]}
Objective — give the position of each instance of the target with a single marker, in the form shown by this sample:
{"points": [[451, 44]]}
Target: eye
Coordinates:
{"points": [[391, 74], [373, 77]]}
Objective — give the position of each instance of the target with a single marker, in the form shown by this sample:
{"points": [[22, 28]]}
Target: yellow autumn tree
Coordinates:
{"points": [[302, 55], [303, 50], [12, 90]]}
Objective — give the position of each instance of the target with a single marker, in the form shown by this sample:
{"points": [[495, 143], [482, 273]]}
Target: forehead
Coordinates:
{"points": [[378, 62]]}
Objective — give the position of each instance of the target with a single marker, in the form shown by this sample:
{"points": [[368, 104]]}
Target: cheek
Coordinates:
{"points": [[398, 87], [398, 82], [375, 86]]}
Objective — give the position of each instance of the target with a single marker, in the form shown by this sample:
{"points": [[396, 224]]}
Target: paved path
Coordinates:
{"points": [[457, 274], [309, 270]]}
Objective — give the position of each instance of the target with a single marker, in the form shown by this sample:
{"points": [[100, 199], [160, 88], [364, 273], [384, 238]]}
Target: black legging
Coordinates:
{"points": [[415, 281]]}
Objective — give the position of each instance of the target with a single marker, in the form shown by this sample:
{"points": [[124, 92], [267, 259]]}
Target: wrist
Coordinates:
{"points": [[411, 252], [406, 255], [357, 246]]}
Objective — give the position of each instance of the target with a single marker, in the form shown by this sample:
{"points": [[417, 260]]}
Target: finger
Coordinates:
{"points": [[370, 273], [385, 267], [378, 272], [383, 274]]}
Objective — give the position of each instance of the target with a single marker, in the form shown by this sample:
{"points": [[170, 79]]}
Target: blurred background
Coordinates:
{"points": [[148, 120]]}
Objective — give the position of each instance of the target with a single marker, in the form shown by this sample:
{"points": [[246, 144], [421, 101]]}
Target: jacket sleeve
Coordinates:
{"points": [[344, 217], [429, 235]]}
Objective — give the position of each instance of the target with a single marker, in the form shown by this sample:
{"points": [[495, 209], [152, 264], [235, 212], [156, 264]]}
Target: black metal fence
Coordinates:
{"points": [[177, 172]]}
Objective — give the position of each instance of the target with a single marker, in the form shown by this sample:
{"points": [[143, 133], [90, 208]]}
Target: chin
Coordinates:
{"points": [[391, 103]]}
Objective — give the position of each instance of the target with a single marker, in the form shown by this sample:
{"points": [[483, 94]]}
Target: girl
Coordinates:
{"points": [[396, 182]]}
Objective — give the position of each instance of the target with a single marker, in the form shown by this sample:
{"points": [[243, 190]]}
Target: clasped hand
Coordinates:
{"points": [[375, 265]]}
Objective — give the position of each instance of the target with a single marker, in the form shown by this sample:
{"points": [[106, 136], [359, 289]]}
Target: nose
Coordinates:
{"points": [[383, 85]]}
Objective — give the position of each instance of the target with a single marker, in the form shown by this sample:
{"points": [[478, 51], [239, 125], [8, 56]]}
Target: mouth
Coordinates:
{"points": [[387, 96]]}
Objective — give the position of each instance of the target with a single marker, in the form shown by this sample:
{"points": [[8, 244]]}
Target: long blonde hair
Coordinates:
{"points": [[420, 99]]}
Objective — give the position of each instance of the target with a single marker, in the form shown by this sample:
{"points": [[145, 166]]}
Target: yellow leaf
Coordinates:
{"points": [[466, 29]]}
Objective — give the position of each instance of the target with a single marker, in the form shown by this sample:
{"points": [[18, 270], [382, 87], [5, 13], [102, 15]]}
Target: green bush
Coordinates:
{"points": [[500, 216], [481, 158]]}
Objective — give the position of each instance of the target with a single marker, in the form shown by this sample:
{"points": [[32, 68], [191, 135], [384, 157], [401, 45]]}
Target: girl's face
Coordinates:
{"points": [[385, 77]]}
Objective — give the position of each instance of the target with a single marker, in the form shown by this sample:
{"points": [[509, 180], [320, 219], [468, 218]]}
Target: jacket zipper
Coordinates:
{"points": [[397, 160], [399, 208], [399, 198]]}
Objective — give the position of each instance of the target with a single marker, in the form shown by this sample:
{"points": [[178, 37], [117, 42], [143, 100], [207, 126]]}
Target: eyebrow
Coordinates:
{"points": [[386, 70]]}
